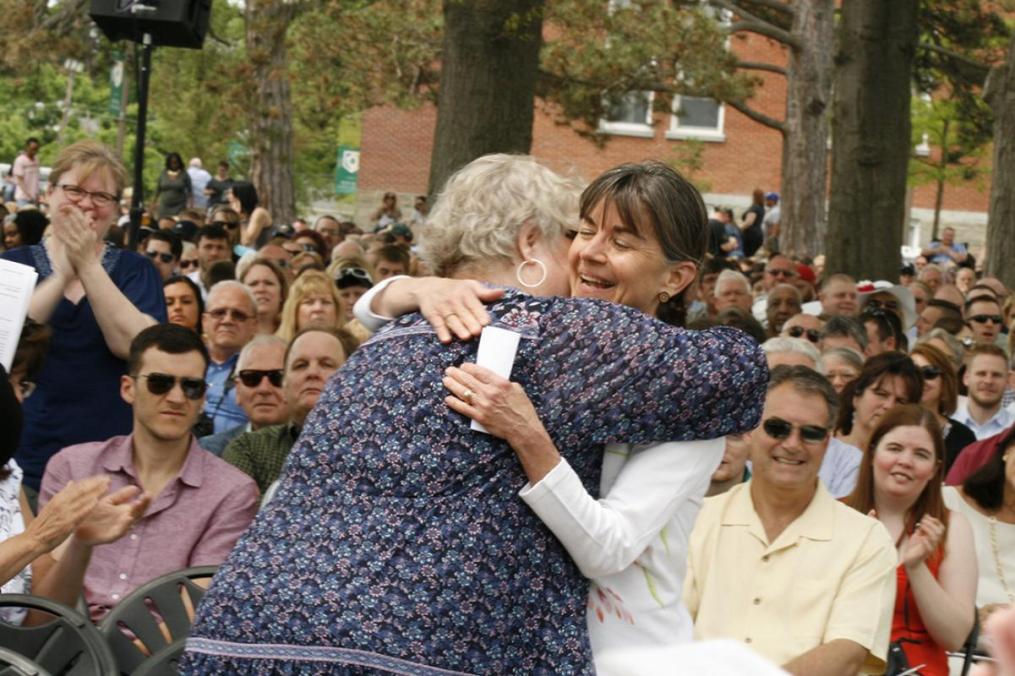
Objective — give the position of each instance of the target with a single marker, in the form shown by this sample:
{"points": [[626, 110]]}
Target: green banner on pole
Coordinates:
{"points": [[347, 170], [116, 84]]}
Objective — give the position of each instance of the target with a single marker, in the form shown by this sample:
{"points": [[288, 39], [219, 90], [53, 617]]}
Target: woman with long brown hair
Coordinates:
{"points": [[940, 396], [900, 485]]}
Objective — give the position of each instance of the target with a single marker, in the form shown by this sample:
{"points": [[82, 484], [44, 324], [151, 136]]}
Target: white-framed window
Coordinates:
{"points": [[631, 115], [697, 117]]}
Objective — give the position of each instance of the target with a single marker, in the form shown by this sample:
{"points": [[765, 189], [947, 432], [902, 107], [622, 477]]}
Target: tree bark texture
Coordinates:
{"points": [[1000, 94], [871, 137], [488, 80], [270, 103], [805, 142]]}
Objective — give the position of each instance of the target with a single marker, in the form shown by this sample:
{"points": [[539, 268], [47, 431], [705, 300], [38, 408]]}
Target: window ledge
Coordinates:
{"points": [[637, 131], [706, 135]]}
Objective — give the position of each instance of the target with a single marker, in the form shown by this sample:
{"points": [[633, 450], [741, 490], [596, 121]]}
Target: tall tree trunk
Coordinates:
{"points": [[1000, 94], [488, 81], [871, 137], [271, 129], [805, 142]]}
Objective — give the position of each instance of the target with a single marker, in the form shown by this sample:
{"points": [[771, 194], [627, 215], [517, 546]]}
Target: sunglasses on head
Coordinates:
{"points": [[161, 383], [930, 372], [358, 273], [983, 319], [780, 429], [164, 257], [253, 377], [220, 313], [813, 335]]}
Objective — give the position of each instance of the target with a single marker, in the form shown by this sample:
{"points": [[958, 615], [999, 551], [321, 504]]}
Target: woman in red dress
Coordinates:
{"points": [[900, 484]]}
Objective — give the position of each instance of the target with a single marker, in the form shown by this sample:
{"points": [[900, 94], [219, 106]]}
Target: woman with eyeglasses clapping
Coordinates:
{"points": [[95, 298], [940, 396]]}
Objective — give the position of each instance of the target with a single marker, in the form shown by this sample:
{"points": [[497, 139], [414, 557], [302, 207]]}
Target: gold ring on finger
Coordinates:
{"points": [[467, 396]]}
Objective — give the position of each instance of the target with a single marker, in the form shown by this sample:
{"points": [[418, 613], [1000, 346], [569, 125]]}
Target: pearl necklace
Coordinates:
{"points": [[997, 559]]}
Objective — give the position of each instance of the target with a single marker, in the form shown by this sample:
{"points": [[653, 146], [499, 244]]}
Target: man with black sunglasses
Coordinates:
{"points": [[200, 505], [258, 385], [164, 250], [780, 564], [312, 358], [984, 318]]}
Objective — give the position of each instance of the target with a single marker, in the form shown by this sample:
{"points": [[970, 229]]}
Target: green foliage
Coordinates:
{"points": [[959, 147], [688, 158], [596, 56]]}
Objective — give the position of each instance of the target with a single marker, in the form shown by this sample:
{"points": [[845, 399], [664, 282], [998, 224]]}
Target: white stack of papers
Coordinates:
{"points": [[17, 282]]}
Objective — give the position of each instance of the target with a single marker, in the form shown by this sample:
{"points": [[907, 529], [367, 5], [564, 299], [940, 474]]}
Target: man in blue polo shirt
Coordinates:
{"points": [[230, 322]]}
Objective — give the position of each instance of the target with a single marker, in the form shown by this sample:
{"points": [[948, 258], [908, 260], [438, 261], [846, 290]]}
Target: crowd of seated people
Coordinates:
{"points": [[157, 392]]}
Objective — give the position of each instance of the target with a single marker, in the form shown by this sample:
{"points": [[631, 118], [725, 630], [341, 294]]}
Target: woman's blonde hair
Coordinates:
{"points": [[478, 215], [311, 282], [89, 156]]}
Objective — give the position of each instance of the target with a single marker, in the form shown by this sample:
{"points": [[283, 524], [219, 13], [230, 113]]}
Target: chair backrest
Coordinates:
{"points": [[165, 662], [14, 664], [156, 614], [67, 645]]}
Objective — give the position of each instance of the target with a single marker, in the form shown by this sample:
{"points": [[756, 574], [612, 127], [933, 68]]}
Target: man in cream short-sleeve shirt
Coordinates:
{"points": [[781, 565]]}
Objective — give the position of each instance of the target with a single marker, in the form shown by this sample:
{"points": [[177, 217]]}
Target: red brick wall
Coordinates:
{"points": [[396, 146]]}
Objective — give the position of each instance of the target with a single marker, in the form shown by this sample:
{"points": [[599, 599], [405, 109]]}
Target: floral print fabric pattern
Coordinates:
{"points": [[396, 541]]}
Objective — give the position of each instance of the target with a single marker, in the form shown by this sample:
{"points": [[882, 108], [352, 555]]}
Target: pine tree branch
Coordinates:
{"points": [[981, 68], [755, 24], [760, 118], [755, 65]]}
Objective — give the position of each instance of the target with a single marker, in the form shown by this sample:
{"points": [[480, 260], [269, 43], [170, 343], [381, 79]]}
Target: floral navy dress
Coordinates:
{"points": [[396, 542]]}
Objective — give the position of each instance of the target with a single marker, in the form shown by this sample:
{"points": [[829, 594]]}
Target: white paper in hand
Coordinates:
{"points": [[17, 282], [497, 349]]}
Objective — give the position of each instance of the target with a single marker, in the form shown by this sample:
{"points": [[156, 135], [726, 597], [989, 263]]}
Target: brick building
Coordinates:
{"points": [[738, 154]]}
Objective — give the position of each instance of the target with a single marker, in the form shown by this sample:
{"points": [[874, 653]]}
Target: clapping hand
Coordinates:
{"points": [[924, 541], [74, 233], [66, 510], [113, 516]]}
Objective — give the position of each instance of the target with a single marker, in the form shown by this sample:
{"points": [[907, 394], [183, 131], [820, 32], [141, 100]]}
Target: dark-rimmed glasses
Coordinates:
{"points": [[226, 224], [193, 263], [76, 193], [253, 377], [878, 304], [930, 372], [780, 429], [161, 383]]}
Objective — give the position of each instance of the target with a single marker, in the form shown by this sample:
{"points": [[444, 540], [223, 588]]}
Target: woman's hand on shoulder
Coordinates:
{"points": [[499, 405], [454, 307]]}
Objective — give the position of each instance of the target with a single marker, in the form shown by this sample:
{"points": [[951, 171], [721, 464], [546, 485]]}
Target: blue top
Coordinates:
{"points": [[220, 403], [77, 398], [396, 540]]}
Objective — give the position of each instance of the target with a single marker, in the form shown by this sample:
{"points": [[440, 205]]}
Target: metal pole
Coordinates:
{"points": [[137, 199]]}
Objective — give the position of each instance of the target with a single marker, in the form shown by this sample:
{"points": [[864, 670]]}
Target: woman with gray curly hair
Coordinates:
{"points": [[396, 540]]}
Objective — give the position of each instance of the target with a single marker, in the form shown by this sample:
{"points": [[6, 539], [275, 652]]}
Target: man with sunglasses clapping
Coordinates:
{"points": [[200, 505], [778, 563]]}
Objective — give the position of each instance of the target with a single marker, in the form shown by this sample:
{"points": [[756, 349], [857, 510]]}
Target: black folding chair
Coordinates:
{"points": [[67, 645], [146, 630]]}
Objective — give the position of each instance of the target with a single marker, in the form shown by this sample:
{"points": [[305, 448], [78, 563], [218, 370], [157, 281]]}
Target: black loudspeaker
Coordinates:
{"points": [[171, 23]]}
